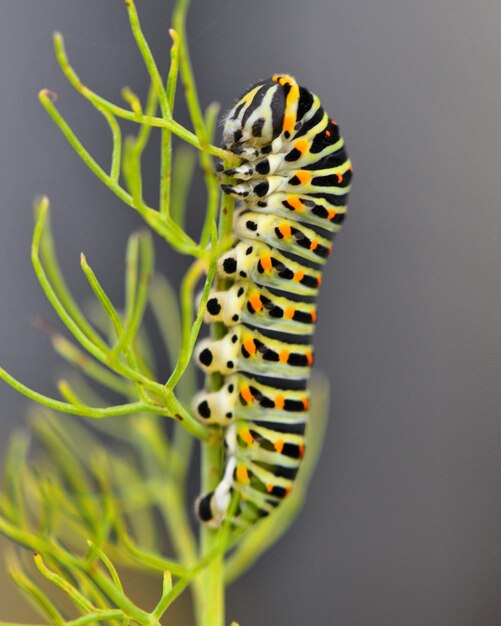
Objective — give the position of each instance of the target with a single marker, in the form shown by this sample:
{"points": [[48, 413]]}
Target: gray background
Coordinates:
{"points": [[401, 526]]}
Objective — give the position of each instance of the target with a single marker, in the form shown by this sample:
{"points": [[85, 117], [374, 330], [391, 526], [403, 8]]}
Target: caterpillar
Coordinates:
{"points": [[292, 181]]}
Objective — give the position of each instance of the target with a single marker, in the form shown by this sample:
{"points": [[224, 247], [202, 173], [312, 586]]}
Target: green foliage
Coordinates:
{"points": [[92, 498]]}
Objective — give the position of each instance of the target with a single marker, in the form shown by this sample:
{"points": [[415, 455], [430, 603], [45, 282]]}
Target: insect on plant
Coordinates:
{"points": [[92, 499]]}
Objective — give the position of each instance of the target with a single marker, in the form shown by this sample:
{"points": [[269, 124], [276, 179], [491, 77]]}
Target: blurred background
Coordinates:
{"points": [[401, 526]]}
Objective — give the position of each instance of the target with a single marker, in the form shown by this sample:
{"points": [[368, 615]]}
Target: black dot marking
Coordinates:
{"points": [[276, 312], [243, 274], [231, 388], [287, 274], [267, 403], [292, 451], [237, 135], [285, 472], [204, 509], [293, 405], [206, 357], [294, 181], [287, 134], [263, 167], [230, 265], [248, 251], [230, 365], [261, 189], [301, 316], [204, 409], [213, 306], [229, 415], [234, 339], [240, 292], [293, 155], [235, 318], [257, 127], [297, 359], [309, 281], [279, 492], [320, 211], [266, 150], [251, 225], [270, 355], [262, 204]]}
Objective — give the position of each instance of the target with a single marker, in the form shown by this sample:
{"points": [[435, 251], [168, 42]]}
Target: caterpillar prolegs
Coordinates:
{"points": [[293, 181]]}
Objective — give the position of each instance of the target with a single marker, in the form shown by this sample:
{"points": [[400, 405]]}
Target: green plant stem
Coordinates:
{"points": [[167, 229], [210, 606], [132, 116], [166, 136]]}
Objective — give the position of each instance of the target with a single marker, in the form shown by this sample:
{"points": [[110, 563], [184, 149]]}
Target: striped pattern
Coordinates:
{"points": [[293, 182]]}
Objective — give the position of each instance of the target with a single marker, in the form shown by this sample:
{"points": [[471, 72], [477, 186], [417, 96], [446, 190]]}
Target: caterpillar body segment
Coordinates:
{"points": [[259, 307], [278, 232], [246, 349], [293, 182]]}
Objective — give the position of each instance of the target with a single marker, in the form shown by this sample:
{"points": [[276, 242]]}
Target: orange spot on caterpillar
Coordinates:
{"points": [[301, 451], [304, 176], [285, 230], [339, 177], [279, 402], [269, 487], [284, 356], [266, 262], [245, 434], [306, 403], [289, 312], [314, 244], [331, 213], [247, 395], [298, 276], [319, 280], [301, 145], [242, 474], [279, 445], [255, 302], [309, 358], [295, 203], [328, 133], [289, 121], [288, 490], [250, 346], [313, 316]]}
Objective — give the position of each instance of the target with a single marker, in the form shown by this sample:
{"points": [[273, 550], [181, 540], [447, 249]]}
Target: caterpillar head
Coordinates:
{"points": [[261, 114]]}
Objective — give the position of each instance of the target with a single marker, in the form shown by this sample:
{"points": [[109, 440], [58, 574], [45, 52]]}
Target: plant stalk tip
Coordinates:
{"points": [[47, 94]]}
